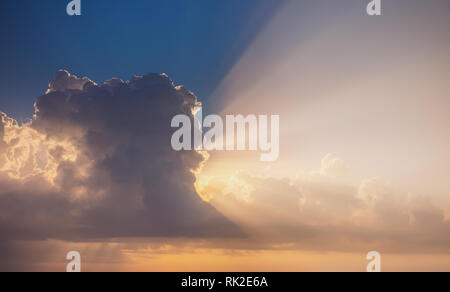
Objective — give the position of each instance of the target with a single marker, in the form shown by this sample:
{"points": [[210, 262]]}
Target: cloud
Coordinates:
{"points": [[64, 81], [96, 162], [322, 210]]}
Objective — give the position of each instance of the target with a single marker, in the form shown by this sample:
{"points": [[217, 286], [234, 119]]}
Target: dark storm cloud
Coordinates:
{"points": [[96, 162]]}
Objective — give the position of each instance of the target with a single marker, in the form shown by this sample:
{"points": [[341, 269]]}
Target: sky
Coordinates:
{"points": [[194, 41], [85, 156]]}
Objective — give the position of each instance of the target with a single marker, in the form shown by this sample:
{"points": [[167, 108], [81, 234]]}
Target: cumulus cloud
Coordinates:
{"points": [[96, 162], [322, 210]]}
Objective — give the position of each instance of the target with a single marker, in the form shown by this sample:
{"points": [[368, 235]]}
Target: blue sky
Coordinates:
{"points": [[196, 42]]}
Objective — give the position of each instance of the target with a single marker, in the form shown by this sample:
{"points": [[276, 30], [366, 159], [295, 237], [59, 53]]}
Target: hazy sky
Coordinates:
{"points": [[364, 133], [372, 91]]}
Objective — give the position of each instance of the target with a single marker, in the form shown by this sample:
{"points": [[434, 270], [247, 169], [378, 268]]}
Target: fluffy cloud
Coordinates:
{"points": [[96, 162], [322, 210]]}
